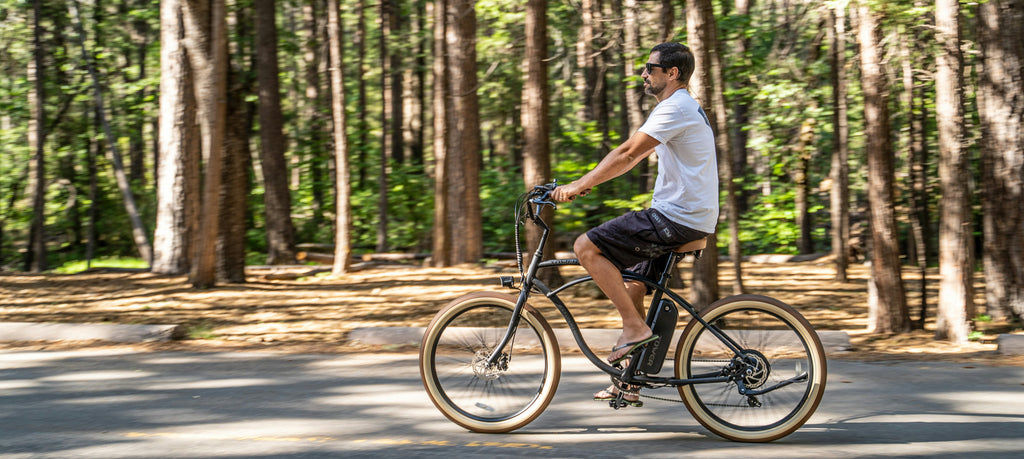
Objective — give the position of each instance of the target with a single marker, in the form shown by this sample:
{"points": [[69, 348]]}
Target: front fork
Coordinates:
{"points": [[524, 294]]}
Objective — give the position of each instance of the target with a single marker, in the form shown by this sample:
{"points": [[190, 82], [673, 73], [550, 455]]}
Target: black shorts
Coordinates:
{"points": [[641, 241]]}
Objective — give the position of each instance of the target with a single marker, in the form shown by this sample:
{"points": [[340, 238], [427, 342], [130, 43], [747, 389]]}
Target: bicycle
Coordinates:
{"points": [[748, 368]]}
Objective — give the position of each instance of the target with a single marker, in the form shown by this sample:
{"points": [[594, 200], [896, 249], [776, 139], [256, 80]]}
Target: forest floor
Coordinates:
{"points": [[314, 314]]}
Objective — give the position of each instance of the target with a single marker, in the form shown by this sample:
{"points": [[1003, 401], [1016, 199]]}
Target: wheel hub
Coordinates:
{"points": [[489, 372], [754, 369]]}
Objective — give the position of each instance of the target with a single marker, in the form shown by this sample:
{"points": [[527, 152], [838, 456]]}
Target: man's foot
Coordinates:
{"points": [[611, 393], [620, 352]]}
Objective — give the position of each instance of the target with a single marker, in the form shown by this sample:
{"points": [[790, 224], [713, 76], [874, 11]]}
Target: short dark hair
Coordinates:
{"points": [[676, 55]]}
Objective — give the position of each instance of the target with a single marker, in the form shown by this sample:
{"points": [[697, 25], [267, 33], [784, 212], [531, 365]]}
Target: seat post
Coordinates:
{"points": [[673, 257]]}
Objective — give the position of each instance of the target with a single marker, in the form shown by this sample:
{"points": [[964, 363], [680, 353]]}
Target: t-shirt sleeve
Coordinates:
{"points": [[667, 121]]}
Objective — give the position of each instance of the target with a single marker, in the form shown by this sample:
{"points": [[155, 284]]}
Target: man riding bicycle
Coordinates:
{"points": [[684, 207]]}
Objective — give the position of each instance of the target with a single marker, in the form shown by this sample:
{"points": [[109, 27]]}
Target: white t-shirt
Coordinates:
{"points": [[687, 187]]}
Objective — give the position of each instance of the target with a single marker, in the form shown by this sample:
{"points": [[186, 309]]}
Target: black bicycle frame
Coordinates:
{"points": [[530, 283]]}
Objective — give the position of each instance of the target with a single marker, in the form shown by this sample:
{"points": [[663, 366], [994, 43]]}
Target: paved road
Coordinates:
{"points": [[107, 404]]}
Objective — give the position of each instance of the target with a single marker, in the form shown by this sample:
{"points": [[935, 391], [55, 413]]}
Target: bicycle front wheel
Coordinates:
{"points": [[782, 368], [484, 397]]}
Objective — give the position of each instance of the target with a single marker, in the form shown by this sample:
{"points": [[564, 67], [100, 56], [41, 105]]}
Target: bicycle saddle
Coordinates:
{"points": [[693, 246]]}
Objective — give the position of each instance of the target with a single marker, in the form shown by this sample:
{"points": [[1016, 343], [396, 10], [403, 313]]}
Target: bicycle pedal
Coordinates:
{"points": [[620, 402]]}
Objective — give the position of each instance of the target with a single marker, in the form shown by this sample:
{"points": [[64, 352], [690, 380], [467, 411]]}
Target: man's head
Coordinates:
{"points": [[675, 55]]}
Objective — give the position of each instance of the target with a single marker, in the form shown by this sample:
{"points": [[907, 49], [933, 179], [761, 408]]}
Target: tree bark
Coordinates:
{"points": [[702, 36], [206, 39], [442, 106], [1000, 90], [362, 125], [234, 189], [956, 260], [536, 138], [804, 146], [35, 256], [840, 173], [889, 308], [463, 154], [177, 170], [668, 21], [314, 110], [276, 195], [343, 224], [396, 115], [382, 171]]}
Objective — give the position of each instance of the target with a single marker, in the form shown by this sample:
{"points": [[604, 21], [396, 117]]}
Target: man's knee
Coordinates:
{"points": [[584, 248]]}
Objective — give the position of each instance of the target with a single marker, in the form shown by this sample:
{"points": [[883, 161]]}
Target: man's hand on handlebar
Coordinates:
{"points": [[566, 193]]}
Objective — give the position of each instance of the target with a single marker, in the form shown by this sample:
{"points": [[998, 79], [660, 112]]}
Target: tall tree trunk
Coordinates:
{"points": [[668, 21], [1002, 122], [93, 152], [634, 89], [442, 105], [585, 61], [382, 173], [418, 144], [313, 109], [888, 304], [738, 133], [463, 153], [956, 259], [804, 146], [702, 37], [177, 171], [35, 256], [840, 172], [536, 149], [591, 62], [276, 195], [343, 224], [362, 125], [234, 189], [396, 116], [206, 39], [140, 31]]}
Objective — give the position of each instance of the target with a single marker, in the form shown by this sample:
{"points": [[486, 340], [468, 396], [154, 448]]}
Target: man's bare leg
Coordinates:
{"points": [[609, 280], [636, 291]]}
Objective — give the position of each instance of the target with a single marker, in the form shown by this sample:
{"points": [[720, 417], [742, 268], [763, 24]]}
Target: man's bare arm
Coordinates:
{"points": [[615, 163]]}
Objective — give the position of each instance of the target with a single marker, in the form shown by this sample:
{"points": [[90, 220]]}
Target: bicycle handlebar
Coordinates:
{"points": [[541, 194]]}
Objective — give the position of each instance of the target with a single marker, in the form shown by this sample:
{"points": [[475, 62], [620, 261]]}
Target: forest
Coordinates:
{"points": [[201, 136]]}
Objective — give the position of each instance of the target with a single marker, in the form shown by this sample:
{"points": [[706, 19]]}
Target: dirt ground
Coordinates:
{"points": [[315, 313]]}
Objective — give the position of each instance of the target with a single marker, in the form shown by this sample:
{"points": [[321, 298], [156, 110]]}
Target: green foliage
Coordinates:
{"points": [[201, 330], [783, 78], [77, 266], [499, 186]]}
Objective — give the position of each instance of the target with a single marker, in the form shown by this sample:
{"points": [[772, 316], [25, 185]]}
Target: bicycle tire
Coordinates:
{"points": [[495, 399], [784, 348]]}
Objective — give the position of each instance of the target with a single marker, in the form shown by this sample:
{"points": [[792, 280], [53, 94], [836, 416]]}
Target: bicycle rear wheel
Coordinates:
{"points": [[489, 398], [782, 357]]}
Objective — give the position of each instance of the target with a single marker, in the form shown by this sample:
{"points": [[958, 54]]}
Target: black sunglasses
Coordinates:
{"points": [[648, 66]]}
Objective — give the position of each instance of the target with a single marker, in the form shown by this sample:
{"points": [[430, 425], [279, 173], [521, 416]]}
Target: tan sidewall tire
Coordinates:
{"points": [[815, 351], [552, 358]]}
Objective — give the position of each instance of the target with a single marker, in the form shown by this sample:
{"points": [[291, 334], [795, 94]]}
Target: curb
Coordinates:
{"points": [[120, 333], [833, 341], [1010, 344]]}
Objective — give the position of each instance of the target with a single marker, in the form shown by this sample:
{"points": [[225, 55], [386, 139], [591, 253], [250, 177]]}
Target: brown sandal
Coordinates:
{"points": [[609, 394]]}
